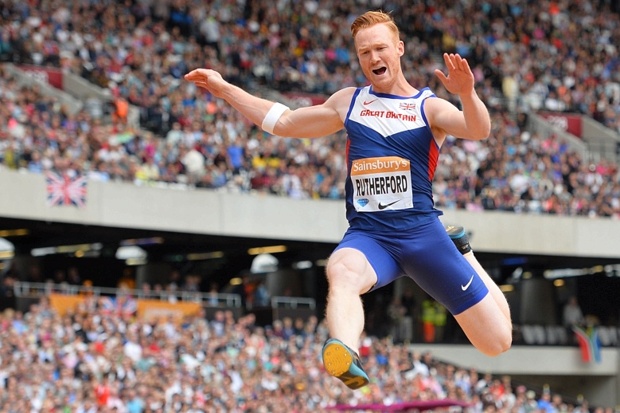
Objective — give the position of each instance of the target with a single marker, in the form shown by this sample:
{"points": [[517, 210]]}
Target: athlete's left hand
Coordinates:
{"points": [[460, 79]]}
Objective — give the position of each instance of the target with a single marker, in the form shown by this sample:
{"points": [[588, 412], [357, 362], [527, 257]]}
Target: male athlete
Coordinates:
{"points": [[395, 132]]}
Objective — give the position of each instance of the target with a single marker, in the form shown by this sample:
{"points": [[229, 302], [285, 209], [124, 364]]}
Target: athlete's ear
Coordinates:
{"points": [[401, 48]]}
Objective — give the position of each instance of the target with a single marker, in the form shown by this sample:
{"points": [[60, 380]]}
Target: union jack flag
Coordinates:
{"points": [[407, 106], [122, 305], [65, 190]]}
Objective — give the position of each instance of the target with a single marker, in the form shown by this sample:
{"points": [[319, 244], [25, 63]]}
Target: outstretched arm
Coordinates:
{"points": [[473, 122], [307, 122]]}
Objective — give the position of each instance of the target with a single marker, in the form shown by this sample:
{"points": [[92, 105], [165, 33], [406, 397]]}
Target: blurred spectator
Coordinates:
{"points": [[409, 303], [396, 312], [519, 60], [262, 297], [218, 364], [572, 314]]}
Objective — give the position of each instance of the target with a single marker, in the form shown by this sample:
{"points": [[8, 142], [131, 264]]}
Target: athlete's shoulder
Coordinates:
{"points": [[341, 99], [425, 93], [436, 103], [344, 93]]}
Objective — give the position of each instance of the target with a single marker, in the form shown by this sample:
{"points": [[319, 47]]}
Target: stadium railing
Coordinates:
{"points": [[33, 289]]}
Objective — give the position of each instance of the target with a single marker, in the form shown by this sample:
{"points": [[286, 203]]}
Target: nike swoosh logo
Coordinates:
{"points": [[368, 102], [383, 206], [466, 286]]}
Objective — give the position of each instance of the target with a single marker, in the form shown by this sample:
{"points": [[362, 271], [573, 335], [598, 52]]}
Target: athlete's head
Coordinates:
{"points": [[378, 47], [371, 18]]}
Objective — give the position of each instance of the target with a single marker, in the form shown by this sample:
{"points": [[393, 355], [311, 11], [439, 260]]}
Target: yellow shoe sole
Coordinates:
{"points": [[337, 359], [340, 362]]}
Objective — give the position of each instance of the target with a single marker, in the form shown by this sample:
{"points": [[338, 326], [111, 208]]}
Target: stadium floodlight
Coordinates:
{"points": [[202, 256], [19, 232], [130, 251], [302, 265], [564, 273], [7, 252], [574, 272], [43, 251], [267, 250], [612, 270], [142, 241], [7, 249], [78, 249], [264, 263], [132, 254]]}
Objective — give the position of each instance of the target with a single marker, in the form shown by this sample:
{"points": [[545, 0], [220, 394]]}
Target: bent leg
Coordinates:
{"points": [[501, 330], [460, 283], [486, 326], [496, 293], [359, 264], [349, 275]]}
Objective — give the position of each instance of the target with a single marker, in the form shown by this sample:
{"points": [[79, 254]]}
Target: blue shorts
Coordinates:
{"points": [[427, 255]]}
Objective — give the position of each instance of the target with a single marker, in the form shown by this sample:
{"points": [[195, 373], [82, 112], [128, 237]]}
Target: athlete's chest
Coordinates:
{"points": [[386, 116]]}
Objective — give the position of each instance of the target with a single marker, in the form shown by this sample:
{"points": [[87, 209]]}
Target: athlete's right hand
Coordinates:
{"points": [[208, 79]]}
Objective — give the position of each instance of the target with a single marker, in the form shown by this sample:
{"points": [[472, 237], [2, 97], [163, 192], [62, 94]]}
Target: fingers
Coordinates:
{"points": [[455, 62], [449, 61], [196, 74], [465, 65], [442, 77]]}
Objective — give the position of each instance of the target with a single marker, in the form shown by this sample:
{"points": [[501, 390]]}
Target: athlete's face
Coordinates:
{"points": [[379, 51]]}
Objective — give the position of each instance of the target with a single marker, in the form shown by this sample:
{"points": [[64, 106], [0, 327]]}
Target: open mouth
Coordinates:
{"points": [[379, 71]]}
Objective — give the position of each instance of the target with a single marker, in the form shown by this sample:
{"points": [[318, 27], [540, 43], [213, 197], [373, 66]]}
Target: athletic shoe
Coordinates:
{"points": [[343, 363], [459, 237]]}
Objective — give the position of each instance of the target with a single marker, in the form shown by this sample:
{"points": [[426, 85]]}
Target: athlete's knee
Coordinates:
{"points": [[502, 345], [487, 327], [347, 271], [499, 343], [339, 272]]}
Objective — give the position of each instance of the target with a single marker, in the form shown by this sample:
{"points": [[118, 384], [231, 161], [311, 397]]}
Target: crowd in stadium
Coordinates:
{"points": [[524, 58], [92, 360], [559, 56]]}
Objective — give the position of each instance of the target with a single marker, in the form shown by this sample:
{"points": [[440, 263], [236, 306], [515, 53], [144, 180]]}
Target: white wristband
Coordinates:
{"points": [[271, 118]]}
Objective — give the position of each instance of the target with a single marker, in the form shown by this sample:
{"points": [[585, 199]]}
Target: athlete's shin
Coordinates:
{"points": [[345, 316], [349, 275]]}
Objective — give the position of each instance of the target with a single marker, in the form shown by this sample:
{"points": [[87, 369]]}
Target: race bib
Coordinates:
{"points": [[381, 184]]}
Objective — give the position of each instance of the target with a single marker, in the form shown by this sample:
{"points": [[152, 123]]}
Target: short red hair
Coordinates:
{"points": [[370, 18]]}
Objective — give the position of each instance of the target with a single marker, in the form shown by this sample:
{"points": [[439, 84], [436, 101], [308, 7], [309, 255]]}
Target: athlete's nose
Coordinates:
{"points": [[374, 57]]}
